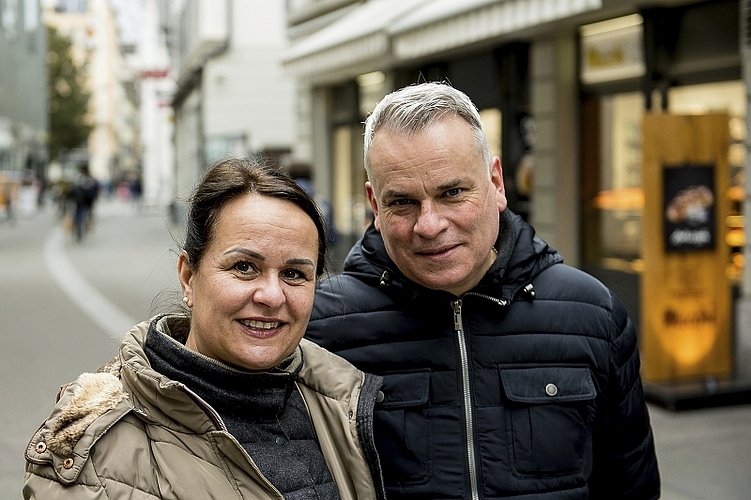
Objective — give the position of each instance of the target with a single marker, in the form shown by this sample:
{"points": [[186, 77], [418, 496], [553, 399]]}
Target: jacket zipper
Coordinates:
{"points": [[220, 423], [500, 302], [467, 397], [206, 407]]}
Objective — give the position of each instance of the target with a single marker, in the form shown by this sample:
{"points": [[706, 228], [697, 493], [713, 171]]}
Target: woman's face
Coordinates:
{"points": [[252, 292]]}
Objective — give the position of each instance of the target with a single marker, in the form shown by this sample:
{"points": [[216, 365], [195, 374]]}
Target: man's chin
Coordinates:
{"points": [[437, 282]]}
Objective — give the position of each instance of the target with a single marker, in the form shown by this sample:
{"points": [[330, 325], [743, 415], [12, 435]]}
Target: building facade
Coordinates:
{"points": [[232, 97], [91, 25], [153, 71], [563, 87], [23, 94]]}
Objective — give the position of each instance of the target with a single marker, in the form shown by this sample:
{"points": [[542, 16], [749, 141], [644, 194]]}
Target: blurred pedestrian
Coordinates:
{"points": [[223, 398], [506, 372], [136, 191], [7, 195], [84, 193]]}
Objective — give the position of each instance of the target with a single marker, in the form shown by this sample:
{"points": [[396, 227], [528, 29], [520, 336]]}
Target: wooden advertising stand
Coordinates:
{"points": [[686, 330]]}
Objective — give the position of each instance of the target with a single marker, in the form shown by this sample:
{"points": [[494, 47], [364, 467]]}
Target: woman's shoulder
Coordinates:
{"points": [[86, 409], [328, 373]]}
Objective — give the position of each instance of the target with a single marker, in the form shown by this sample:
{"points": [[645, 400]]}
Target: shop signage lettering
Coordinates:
{"points": [[674, 318], [613, 55], [689, 207]]}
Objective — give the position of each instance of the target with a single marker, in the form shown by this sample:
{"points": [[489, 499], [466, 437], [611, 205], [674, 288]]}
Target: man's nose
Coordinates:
{"points": [[430, 221]]}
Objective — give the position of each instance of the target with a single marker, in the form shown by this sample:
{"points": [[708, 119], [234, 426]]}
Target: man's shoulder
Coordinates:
{"points": [[344, 294], [565, 282]]}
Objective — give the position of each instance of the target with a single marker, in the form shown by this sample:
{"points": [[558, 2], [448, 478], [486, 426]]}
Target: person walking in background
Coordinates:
{"points": [[223, 399], [84, 193], [507, 374], [7, 197], [136, 192]]}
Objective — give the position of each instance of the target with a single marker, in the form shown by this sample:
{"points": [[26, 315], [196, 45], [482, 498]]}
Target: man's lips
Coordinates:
{"points": [[432, 252]]}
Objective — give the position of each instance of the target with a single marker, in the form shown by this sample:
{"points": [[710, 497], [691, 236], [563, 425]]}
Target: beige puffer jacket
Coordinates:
{"points": [[129, 432]]}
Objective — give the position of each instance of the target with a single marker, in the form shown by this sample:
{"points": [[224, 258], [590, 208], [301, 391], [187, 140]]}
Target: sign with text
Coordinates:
{"points": [[685, 293], [689, 208]]}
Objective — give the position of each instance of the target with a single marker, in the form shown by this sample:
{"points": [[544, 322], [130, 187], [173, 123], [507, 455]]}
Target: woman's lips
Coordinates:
{"points": [[261, 329]]}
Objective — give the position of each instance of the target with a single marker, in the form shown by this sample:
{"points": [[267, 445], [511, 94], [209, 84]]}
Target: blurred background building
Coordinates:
{"points": [[112, 147], [562, 86], [232, 97], [23, 99]]}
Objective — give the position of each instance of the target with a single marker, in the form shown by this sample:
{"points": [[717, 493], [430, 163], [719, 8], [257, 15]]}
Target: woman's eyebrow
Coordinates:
{"points": [[247, 252], [301, 262]]}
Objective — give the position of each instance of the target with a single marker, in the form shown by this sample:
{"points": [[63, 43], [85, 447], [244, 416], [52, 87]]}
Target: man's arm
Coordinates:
{"points": [[625, 463]]}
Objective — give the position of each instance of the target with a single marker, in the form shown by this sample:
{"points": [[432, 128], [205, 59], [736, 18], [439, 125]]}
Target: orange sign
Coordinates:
{"points": [[685, 294]]}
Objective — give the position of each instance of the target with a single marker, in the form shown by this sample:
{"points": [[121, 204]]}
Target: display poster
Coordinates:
{"points": [[685, 293], [689, 212]]}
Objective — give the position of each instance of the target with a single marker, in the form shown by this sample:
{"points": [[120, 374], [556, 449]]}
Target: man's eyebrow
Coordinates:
{"points": [[451, 185], [245, 251], [391, 193]]}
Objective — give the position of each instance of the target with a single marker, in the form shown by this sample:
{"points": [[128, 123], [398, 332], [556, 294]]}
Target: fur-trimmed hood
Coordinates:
{"points": [[86, 408]]}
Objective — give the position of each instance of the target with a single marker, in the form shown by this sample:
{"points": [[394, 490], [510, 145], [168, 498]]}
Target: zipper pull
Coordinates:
{"points": [[385, 279], [457, 306]]}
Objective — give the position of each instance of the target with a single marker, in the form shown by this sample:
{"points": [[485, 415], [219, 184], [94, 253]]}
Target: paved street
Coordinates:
{"points": [[63, 305], [47, 334]]}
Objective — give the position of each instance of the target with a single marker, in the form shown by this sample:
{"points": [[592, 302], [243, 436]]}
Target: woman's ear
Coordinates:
{"points": [[185, 275]]}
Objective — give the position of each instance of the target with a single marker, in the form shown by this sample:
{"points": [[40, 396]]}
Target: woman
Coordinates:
{"points": [[224, 400]]}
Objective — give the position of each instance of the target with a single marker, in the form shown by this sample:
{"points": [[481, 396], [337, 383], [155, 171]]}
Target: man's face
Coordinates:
{"points": [[435, 205]]}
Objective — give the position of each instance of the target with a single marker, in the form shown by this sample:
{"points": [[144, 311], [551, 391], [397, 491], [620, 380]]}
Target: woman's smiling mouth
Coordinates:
{"points": [[260, 325]]}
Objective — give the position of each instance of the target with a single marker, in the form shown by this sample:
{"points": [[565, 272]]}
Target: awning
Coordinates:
{"points": [[356, 37], [409, 29], [447, 24]]}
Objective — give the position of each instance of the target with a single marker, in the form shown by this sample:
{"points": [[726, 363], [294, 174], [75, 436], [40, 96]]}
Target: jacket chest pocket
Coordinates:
{"points": [[403, 428], [549, 411]]}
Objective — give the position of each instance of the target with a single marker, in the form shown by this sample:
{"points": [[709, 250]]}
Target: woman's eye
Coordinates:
{"points": [[293, 275], [244, 267]]}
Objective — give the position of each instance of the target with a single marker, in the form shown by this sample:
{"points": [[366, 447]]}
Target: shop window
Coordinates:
{"points": [[620, 200], [491, 121], [371, 88], [730, 98], [350, 205], [611, 184]]}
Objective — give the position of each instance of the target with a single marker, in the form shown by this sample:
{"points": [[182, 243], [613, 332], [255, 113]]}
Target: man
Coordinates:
{"points": [[507, 374]]}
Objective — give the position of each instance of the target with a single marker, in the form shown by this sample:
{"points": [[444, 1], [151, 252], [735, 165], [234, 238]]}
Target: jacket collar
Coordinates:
{"points": [[521, 256]]}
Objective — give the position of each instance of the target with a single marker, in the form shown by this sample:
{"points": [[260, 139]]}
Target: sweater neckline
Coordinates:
{"points": [[226, 388]]}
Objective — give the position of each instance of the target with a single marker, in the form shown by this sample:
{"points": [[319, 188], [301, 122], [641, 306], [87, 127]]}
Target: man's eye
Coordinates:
{"points": [[453, 192], [402, 202]]}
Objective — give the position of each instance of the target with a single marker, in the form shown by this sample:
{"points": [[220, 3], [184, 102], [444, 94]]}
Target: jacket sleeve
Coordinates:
{"points": [[625, 463]]}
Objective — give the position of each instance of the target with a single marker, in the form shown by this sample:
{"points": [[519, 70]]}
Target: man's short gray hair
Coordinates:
{"points": [[414, 108]]}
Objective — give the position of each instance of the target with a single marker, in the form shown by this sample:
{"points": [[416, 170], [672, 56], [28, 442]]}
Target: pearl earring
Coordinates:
{"points": [[185, 299]]}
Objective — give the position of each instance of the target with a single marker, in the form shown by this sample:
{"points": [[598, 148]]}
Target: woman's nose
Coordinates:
{"points": [[269, 292]]}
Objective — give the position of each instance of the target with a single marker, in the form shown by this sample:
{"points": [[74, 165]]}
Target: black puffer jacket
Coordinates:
{"points": [[525, 387]]}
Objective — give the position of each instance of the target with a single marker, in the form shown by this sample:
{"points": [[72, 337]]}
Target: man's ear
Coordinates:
{"points": [[373, 204], [496, 177]]}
